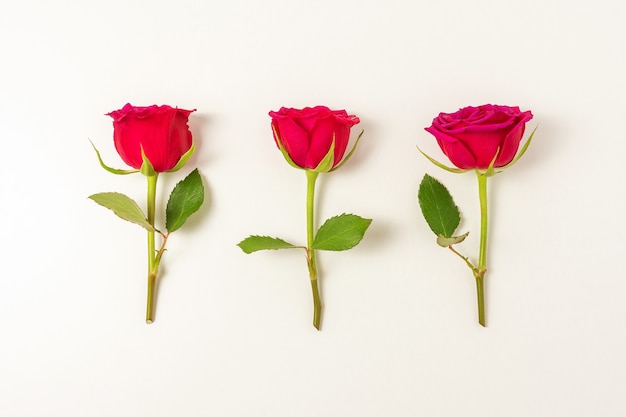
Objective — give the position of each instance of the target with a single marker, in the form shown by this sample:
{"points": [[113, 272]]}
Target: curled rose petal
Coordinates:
{"points": [[473, 136]]}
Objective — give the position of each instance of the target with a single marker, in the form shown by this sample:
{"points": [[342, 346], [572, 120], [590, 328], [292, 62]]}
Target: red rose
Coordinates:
{"points": [[472, 136], [307, 135], [161, 131]]}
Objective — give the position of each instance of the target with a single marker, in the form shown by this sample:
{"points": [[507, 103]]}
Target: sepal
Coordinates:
{"points": [[442, 166], [284, 151], [523, 150], [183, 159], [108, 168], [146, 168], [490, 171], [326, 164], [349, 153]]}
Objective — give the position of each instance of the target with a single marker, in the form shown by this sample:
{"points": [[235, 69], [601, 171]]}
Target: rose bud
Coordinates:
{"points": [[307, 135], [160, 131]]}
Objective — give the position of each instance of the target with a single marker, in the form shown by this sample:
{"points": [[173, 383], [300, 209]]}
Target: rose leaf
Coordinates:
{"points": [[124, 207], [449, 241], [438, 207], [256, 243], [185, 199], [341, 232]]}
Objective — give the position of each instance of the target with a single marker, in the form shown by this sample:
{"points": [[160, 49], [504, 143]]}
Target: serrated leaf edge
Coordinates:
{"points": [[145, 225], [369, 222], [196, 172], [451, 198], [292, 246]]}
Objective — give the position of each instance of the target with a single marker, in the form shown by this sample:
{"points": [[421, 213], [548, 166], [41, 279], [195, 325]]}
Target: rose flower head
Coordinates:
{"points": [[161, 132], [307, 136], [474, 137]]}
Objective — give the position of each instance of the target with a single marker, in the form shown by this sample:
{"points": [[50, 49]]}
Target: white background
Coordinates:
{"points": [[233, 333]]}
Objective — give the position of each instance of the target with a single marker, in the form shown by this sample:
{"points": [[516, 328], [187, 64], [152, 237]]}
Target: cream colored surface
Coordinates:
{"points": [[233, 334]]}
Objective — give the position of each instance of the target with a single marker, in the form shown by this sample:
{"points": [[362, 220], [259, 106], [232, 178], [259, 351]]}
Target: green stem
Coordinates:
{"points": [[311, 177], [150, 303], [479, 273], [480, 294], [317, 304], [152, 263], [467, 262]]}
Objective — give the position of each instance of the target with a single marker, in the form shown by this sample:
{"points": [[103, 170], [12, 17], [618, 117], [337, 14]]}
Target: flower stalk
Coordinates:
{"points": [[311, 177], [479, 273], [153, 265]]}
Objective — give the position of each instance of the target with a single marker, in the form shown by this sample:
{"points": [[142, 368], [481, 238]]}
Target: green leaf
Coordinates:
{"points": [[438, 208], [124, 207], [341, 232], [256, 243], [185, 199], [449, 241], [284, 151]]}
